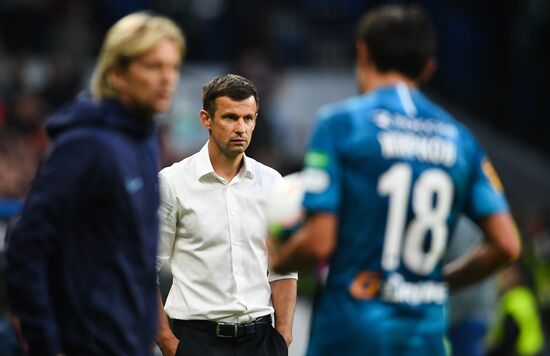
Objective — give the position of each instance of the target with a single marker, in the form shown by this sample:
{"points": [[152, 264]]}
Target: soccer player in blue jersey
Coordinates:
{"points": [[388, 174]]}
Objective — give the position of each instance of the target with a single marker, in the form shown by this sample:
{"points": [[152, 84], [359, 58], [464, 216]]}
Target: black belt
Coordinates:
{"points": [[222, 329]]}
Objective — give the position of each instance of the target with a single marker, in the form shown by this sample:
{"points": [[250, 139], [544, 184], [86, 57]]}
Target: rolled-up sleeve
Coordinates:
{"points": [[274, 276]]}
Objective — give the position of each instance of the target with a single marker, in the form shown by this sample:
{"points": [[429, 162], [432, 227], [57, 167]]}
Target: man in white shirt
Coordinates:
{"points": [[213, 233]]}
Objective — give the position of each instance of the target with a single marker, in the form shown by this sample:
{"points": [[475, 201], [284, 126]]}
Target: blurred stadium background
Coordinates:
{"points": [[493, 73]]}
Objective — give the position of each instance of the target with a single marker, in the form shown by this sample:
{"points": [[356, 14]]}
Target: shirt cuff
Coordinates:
{"points": [[276, 276]]}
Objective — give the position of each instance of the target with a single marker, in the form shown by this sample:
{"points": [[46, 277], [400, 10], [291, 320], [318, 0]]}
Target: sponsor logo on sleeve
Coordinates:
{"points": [[317, 159], [492, 175]]}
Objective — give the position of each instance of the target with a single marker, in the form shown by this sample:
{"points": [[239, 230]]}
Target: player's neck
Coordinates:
{"points": [[370, 80]]}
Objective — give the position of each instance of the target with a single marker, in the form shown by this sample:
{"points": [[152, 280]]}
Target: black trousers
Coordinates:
{"points": [[266, 341]]}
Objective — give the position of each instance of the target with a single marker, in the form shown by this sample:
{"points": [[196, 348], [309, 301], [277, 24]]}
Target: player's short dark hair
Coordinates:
{"points": [[231, 85], [399, 38]]}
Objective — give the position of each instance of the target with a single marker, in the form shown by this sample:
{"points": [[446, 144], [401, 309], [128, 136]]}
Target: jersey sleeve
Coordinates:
{"points": [[322, 169], [486, 195]]}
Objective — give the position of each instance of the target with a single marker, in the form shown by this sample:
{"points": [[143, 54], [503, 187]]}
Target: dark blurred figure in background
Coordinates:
{"points": [[538, 262], [517, 329], [81, 259], [470, 308], [22, 142]]}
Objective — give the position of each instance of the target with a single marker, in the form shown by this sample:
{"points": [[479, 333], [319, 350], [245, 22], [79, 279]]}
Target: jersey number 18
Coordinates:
{"points": [[431, 199]]}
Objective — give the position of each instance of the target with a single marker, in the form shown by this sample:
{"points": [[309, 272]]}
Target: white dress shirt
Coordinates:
{"points": [[214, 233]]}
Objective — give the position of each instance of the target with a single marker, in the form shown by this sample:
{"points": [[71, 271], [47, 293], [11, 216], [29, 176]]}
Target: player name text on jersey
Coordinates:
{"points": [[405, 145]]}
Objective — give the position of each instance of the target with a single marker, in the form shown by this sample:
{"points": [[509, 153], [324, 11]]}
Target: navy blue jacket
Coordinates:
{"points": [[81, 260]]}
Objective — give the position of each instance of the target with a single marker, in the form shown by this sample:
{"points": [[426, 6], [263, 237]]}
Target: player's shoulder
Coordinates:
{"points": [[465, 136], [257, 167], [88, 142], [343, 118], [180, 168], [261, 171], [439, 113]]}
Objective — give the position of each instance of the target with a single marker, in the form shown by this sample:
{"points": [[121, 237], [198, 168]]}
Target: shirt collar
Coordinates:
{"points": [[204, 165]]}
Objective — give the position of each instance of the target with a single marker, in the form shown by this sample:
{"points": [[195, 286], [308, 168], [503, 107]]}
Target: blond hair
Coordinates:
{"points": [[127, 39]]}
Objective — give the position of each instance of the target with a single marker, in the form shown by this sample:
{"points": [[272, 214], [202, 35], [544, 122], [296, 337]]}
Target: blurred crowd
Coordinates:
{"points": [[491, 59], [44, 51]]}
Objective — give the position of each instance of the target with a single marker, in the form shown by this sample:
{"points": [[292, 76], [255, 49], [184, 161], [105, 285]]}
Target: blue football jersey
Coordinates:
{"points": [[397, 170]]}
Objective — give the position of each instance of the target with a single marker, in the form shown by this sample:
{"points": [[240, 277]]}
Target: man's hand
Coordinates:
{"points": [[283, 297], [167, 341], [286, 334], [169, 346]]}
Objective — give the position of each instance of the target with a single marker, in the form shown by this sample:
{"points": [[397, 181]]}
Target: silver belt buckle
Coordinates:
{"points": [[235, 329]]}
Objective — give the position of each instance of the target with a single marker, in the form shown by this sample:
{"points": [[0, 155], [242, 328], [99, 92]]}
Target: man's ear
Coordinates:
{"points": [[205, 118], [428, 71], [362, 52], [116, 79]]}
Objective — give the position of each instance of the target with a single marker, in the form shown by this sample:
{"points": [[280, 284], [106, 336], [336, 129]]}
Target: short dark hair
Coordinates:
{"points": [[230, 85], [399, 38]]}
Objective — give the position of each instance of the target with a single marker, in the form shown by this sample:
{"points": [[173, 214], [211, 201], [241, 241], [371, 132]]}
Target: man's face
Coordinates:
{"points": [[147, 85], [232, 125]]}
